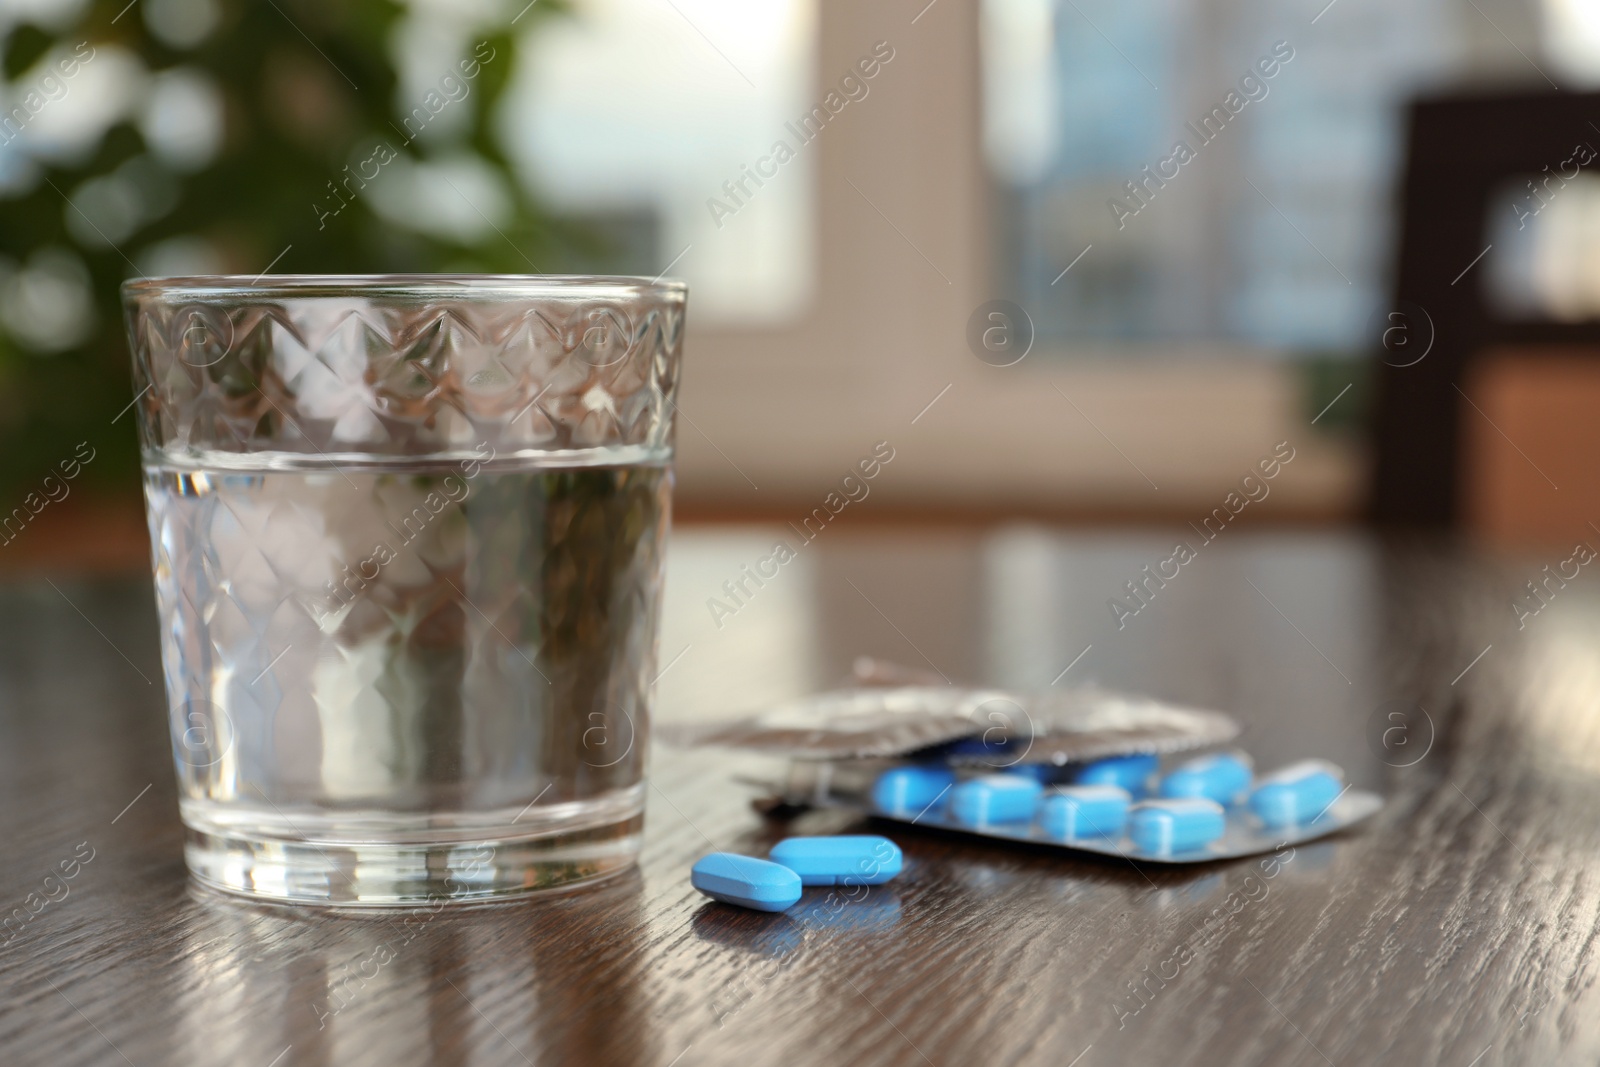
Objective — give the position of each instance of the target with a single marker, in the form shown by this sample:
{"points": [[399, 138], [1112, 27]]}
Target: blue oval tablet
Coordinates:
{"points": [[1076, 811], [846, 859], [911, 790], [1124, 772], [1297, 793], [994, 798], [745, 881], [1163, 827], [1224, 777]]}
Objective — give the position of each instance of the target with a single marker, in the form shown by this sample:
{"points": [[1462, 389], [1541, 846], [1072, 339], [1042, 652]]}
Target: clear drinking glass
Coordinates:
{"points": [[407, 535]]}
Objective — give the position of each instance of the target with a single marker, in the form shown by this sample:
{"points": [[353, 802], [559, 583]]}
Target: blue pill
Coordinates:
{"points": [[1224, 777], [846, 859], [1043, 773], [1297, 793], [1125, 772], [911, 790], [1076, 811], [1162, 827], [745, 881], [994, 798]]}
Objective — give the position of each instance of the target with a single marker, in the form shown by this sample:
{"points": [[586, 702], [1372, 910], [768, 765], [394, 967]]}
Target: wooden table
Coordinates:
{"points": [[1458, 927]]}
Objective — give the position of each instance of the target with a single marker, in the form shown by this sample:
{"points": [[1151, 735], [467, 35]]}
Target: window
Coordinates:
{"points": [[1270, 227], [1544, 252], [642, 110]]}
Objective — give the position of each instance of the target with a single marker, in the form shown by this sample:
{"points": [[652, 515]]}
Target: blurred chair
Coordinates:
{"points": [[1544, 490], [1488, 373]]}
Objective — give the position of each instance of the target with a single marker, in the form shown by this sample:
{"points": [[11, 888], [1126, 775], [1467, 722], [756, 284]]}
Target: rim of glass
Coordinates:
{"points": [[456, 286]]}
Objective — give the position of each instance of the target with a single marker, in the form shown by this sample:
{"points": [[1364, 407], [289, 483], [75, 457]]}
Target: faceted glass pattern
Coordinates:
{"points": [[397, 366], [407, 537]]}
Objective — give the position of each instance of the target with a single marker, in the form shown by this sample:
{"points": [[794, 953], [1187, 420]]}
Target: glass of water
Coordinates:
{"points": [[407, 534]]}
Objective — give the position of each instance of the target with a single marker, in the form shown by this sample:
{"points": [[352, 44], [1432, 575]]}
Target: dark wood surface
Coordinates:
{"points": [[1458, 927]]}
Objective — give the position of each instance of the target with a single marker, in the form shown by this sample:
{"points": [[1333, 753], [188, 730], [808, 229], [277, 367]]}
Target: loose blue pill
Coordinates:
{"points": [[1163, 827], [846, 859], [1224, 777], [745, 881], [1297, 793], [994, 798], [911, 790], [1075, 811], [1125, 772]]}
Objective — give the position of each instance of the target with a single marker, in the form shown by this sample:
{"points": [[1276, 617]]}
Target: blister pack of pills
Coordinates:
{"points": [[1206, 808], [1078, 768]]}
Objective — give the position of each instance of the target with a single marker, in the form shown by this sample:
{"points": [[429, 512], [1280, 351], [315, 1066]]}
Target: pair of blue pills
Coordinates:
{"points": [[775, 884]]}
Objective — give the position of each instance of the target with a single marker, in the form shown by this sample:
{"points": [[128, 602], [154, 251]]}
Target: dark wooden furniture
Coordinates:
{"points": [[1460, 151], [1458, 927], [1529, 447]]}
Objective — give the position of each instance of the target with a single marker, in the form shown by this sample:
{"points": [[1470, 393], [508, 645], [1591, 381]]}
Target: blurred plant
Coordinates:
{"points": [[1336, 390], [234, 136]]}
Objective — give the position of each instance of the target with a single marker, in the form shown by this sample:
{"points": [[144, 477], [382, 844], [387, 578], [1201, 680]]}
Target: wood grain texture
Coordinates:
{"points": [[1458, 927]]}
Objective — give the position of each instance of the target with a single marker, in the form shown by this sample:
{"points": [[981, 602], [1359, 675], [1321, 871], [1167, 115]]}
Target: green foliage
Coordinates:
{"points": [[308, 89], [1342, 380]]}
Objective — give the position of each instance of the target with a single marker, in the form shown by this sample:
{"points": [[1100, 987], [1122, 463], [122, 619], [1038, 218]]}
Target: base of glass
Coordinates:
{"points": [[497, 863]]}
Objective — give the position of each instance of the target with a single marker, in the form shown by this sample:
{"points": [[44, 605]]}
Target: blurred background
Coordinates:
{"points": [[1087, 261]]}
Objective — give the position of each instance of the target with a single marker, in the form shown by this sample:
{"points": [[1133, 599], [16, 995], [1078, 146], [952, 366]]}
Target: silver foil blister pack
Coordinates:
{"points": [[837, 743], [1008, 727]]}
